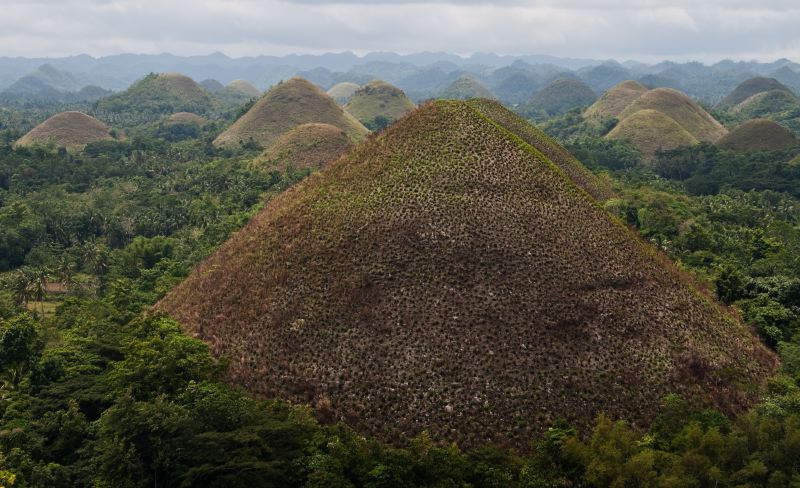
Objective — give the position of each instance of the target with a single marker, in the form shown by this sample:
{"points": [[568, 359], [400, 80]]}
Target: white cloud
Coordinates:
{"points": [[639, 29]]}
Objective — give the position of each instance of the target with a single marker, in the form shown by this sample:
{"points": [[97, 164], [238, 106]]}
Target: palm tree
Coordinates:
{"points": [[21, 288], [40, 278]]}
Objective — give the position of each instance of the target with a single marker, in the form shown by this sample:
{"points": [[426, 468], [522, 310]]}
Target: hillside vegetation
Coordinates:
{"points": [[613, 102], [651, 131], [342, 92], [378, 104], [750, 87], [464, 88], [306, 147], [70, 130], [758, 135], [561, 96], [446, 276], [284, 107]]}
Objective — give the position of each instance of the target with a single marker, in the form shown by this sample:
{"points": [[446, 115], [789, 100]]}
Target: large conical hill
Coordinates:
{"points": [[750, 87], [651, 131], [284, 107], [683, 110], [445, 276], [308, 146], [164, 93], [377, 102], [561, 96], [614, 101], [758, 135], [464, 88], [70, 130]]}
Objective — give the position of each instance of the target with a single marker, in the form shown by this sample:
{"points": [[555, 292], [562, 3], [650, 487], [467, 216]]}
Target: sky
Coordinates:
{"points": [[645, 30]]}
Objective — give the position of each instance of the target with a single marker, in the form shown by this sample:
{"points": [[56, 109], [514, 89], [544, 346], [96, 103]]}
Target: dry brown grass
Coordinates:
{"points": [[308, 146], [651, 131], [71, 130], [751, 87], [683, 110], [188, 118], [615, 100], [447, 276], [758, 135], [284, 107], [245, 88]]}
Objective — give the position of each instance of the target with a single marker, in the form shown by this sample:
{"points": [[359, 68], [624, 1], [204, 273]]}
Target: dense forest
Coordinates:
{"points": [[97, 391]]}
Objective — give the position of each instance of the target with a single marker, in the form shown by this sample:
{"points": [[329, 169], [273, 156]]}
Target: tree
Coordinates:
{"points": [[20, 343]]}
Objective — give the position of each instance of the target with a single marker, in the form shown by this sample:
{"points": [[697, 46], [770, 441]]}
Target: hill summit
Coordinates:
{"points": [[307, 146], [284, 107], [464, 88], [71, 130], [379, 103], [342, 92], [753, 86], [611, 104], [156, 95], [561, 96], [447, 276], [758, 135]]}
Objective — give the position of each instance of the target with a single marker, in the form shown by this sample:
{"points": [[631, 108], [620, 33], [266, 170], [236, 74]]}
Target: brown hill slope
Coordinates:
{"points": [[308, 146], [683, 110], [342, 92], [751, 87], [566, 162], [284, 107], [446, 276], [188, 118], [379, 99], [245, 88], [651, 131], [611, 104], [758, 135], [71, 130]]}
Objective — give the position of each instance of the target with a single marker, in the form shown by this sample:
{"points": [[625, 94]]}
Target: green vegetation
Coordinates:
{"points": [[651, 131], [378, 104], [758, 135], [342, 92], [284, 107], [751, 87], [559, 97], [465, 88], [70, 130], [613, 102]]}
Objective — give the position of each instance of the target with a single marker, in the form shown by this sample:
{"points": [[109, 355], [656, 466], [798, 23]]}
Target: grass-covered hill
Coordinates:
{"points": [[614, 101], [378, 104], [245, 88], [651, 131], [342, 92], [683, 110], [775, 104], [154, 96], [446, 276], [464, 88], [758, 135], [284, 107], [186, 118], [561, 96], [750, 87], [306, 147], [70, 130]]}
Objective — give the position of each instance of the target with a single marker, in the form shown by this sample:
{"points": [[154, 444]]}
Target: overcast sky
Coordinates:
{"points": [[648, 30]]}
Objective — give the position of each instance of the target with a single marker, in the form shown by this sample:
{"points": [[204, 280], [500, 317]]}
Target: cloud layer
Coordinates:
{"points": [[648, 30]]}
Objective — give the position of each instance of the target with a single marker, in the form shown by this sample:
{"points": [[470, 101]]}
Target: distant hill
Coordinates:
{"points": [[70, 130], [613, 102], [561, 96], [378, 104], [604, 76], [157, 95], [284, 107], [751, 87], [687, 113], [651, 131], [342, 92], [245, 88], [212, 86], [187, 118], [49, 85], [777, 104], [447, 277], [306, 147], [758, 135], [464, 88]]}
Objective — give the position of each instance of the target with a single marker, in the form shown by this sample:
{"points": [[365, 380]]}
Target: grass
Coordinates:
{"points": [[447, 276], [71, 130], [768, 104], [687, 113], [751, 87], [245, 88], [187, 118], [164, 93], [284, 107], [342, 92], [758, 135], [613, 102], [651, 131], [561, 96], [464, 88], [379, 99], [306, 147]]}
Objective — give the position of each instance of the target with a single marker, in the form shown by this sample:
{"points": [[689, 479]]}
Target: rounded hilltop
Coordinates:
{"points": [[306, 147], [651, 131], [465, 88], [562, 95], [186, 118], [379, 103], [613, 102], [160, 94], [70, 130], [342, 92], [758, 135], [447, 276], [284, 107], [245, 88], [750, 87]]}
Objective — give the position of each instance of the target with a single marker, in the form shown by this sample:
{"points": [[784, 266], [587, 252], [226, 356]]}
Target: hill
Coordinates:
{"points": [[464, 88], [212, 86], [71, 130], [284, 107], [157, 95], [186, 118], [614, 101], [378, 104], [651, 131], [342, 92], [758, 135], [308, 146], [566, 162], [245, 88], [687, 113], [779, 104], [751, 87], [446, 276], [560, 96]]}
